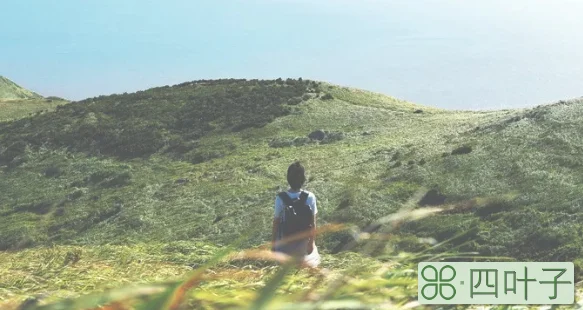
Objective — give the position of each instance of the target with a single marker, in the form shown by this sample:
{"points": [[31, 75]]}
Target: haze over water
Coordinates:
{"points": [[455, 54]]}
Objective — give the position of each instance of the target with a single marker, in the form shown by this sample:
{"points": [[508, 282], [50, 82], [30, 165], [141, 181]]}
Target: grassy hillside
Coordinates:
{"points": [[17, 102], [10, 91], [164, 163], [202, 161], [15, 109]]}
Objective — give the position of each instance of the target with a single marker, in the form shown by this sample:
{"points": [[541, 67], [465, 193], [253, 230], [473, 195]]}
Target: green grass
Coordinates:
{"points": [[202, 276], [103, 172], [16, 109], [10, 91], [53, 274]]}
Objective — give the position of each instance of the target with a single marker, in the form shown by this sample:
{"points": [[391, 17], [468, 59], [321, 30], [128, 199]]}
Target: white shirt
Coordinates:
{"points": [[279, 205], [312, 259]]}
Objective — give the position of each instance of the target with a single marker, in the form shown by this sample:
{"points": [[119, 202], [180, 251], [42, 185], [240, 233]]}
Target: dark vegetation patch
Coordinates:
{"points": [[15, 242], [568, 161], [59, 212], [75, 195], [59, 230], [537, 114], [318, 136], [218, 218], [463, 206], [52, 172], [345, 203], [418, 111], [482, 207], [11, 151], [54, 98], [492, 206], [326, 136], [338, 241], [327, 97], [140, 124], [200, 156], [514, 119], [105, 213], [39, 208], [432, 198], [63, 203], [396, 156], [109, 178], [464, 149]]}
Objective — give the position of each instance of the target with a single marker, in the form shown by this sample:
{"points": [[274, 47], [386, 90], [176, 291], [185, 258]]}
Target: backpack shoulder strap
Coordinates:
{"points": [[285, 198], [304, 197]]}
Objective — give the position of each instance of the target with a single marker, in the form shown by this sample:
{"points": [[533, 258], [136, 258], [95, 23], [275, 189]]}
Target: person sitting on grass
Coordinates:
{"points": [[294, 222]]}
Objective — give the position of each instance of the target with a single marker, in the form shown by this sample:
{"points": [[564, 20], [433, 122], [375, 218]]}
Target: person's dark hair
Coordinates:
{"points": [[296, 175]]}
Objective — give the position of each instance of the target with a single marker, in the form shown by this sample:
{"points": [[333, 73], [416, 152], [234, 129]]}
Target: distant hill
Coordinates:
{"points": [[11, 91], [17, 102]]}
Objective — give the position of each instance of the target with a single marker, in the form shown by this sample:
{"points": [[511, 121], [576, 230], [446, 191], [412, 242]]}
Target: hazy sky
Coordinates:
{"points": [[459, 54]]}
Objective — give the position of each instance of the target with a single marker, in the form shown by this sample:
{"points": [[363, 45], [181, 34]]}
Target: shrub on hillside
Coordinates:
{"points": [[489, 206], [52, 172], [432, 198], [55, 98], [16, 241], [75, 195], [42, 207], [327, 97], [464, 149]]}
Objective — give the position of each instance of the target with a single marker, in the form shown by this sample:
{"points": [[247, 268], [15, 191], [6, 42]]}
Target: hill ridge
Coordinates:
{"points": [[9, 90]]}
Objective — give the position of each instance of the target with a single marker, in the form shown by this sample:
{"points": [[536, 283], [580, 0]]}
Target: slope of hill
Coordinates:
{"points": [[230, 139], [164, 163], [10, 91], [203, 160], [16, 109], [17, 102]]}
